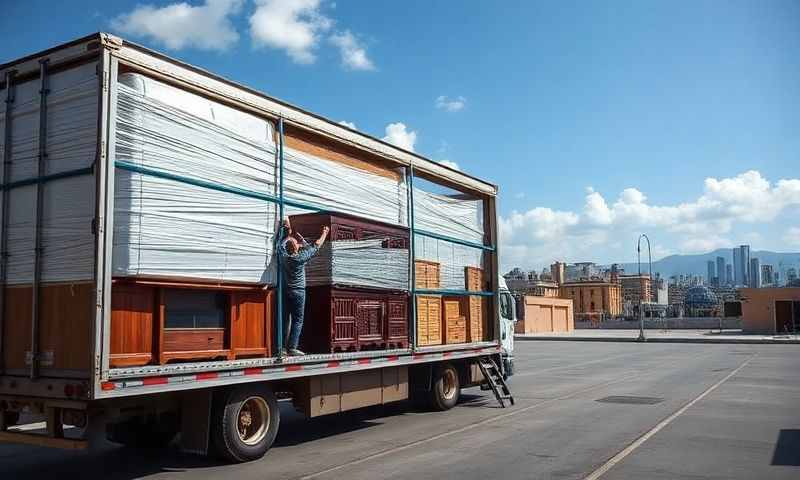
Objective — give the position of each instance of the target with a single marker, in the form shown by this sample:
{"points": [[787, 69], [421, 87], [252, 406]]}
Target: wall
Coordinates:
{"points": [[758, 307], [546, 314]]}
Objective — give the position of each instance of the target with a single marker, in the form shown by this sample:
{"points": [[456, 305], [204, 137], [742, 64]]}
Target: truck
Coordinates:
{"points": [[139, 293]]}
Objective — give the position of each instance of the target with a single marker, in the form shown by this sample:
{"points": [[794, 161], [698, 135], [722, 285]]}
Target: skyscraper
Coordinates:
{"points": [[755, 273], [741, 265], [767, 275], [711, 272], [729, 274], [721, 279]]}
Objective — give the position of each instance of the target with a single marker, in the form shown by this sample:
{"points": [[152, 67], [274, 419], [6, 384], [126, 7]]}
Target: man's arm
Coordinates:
{"points": [[283, 234], [322, 236], [308, 252]]}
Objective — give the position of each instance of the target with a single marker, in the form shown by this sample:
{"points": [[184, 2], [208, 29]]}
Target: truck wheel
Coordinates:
{"points": [[245, 422], [446, 388]]}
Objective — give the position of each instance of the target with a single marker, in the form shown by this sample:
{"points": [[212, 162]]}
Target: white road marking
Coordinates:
{"points": [[599, 472], [468, 427]]}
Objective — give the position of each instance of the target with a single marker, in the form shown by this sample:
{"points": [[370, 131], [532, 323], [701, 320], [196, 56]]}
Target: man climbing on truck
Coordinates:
{"points": [[295, 252]]}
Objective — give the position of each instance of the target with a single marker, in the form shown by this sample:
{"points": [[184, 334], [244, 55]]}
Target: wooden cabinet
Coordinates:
{"points": [[429, 320], [153, 322], [427, 274], [342, 319], [348, 227]]}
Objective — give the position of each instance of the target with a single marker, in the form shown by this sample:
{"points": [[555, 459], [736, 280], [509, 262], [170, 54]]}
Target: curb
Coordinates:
{"points": [[740, 341]]}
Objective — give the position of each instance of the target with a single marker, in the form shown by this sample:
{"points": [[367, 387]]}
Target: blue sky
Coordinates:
{"points": [[598, 120]]}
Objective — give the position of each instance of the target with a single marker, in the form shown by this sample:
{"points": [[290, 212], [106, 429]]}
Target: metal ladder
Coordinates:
{"points": [[494, 379]]}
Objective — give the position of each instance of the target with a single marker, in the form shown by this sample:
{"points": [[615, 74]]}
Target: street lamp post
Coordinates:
{"points": [[642, 338]]}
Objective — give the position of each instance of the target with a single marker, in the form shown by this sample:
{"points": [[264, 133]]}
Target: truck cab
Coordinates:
{"points": [[508, 317]]}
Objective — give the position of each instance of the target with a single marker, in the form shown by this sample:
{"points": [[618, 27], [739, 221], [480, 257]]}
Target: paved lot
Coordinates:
{"points": [[662, 336], [715, 411]]}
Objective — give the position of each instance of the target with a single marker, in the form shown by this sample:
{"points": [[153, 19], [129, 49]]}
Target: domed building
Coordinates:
{"points": [[700, 301]]}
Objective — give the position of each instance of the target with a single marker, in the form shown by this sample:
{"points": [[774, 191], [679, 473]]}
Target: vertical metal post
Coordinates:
{"points": [[37, 232], [412, 277], [642, 338], [279, 269], [4, 209]]}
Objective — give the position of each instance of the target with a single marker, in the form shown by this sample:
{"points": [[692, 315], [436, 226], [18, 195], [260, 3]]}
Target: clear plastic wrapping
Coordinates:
{"points": [[365, 263], [452, 259]]}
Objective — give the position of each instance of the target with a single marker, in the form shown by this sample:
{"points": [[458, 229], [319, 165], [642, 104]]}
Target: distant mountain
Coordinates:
{"points": [[697, 264]]}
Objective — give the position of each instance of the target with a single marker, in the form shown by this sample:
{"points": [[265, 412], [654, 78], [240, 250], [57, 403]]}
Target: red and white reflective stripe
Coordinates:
{"points": [[288, 368]]}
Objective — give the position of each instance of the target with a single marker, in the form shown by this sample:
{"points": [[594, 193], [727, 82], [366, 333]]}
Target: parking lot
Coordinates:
{"points": [[583, 410]]}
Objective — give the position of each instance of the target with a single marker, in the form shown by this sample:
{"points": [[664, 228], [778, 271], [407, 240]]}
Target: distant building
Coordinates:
{"points": [[791, 275], [767, 275], [700, 301], [721, 278], [711, 271], [741, 265], [729, 274], [594, 299], [755, 273], [558, 272], [529, 283], [635, 289]]}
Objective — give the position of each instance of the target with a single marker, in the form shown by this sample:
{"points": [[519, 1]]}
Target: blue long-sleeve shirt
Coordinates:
{"points": [[294, 266]]}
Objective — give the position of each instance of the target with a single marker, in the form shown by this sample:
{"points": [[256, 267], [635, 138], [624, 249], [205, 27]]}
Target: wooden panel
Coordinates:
{"points": [[193, 339], [427, 274], [473, 309], [251, 322], [369, 320], [323, 148], [395, 384], [473, 279], [455, 324], [66, 314], [361, 389], [17, 325], [132, 316], [324, 395], [429, 320]]}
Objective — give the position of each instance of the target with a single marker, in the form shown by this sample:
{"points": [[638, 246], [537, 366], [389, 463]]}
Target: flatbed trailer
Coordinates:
{"points": [[55, 347]]}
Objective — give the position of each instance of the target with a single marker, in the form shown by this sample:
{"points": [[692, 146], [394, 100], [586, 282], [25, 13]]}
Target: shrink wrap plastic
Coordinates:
{"points": [[168, 228], [363, 263], [68, 203]]}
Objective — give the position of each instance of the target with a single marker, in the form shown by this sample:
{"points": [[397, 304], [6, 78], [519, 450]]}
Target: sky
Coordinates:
{"points": [[598, 121]]}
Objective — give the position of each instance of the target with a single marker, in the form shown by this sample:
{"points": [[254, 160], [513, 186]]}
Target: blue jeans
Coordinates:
{"points": [[294, 304]]}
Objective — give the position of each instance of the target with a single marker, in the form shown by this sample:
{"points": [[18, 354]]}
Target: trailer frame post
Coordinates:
{"points": [[412, 277], [38, 207], [4, 209], [278, 263]]}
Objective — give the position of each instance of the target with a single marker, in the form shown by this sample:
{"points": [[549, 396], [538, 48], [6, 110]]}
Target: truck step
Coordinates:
{"points": [[494, 380]]}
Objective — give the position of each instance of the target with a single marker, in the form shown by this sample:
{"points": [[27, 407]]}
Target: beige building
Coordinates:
{"points": [[558, 272], [546, 315], [770, 310], [636, 287], [594, 298], [543, 289]]}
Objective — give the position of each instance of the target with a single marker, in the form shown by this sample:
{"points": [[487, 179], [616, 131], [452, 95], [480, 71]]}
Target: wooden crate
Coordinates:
{"points": [[429, 320], [455, 323], [427, 274], [473, 308], [473, 279]]}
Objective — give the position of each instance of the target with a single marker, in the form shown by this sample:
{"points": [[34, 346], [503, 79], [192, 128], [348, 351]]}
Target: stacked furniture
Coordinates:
{"points": [[357, 296]]}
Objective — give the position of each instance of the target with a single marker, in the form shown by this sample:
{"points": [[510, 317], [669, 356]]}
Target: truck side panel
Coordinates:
{"points": [[51, 158]]}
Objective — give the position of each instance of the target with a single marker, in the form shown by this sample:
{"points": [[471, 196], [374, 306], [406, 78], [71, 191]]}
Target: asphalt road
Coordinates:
{"points": [[710, 411]]}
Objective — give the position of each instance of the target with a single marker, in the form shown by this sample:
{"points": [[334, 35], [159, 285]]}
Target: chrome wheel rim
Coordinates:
{"points": [[252, 420], [449, 384]]}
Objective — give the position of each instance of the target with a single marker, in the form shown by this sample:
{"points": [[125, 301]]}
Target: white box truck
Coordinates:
{"points": [[139, 295]]}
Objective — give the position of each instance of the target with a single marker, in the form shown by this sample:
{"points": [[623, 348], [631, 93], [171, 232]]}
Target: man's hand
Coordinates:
{"points": [[322, 236]]}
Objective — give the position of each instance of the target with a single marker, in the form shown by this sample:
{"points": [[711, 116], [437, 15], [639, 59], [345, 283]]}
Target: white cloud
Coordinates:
{"points": [[291, 25], [542, 234], [792, 237], [348, 124], [450, 163], [180, 25], [398, 134], [353, 53], [450, 104]]}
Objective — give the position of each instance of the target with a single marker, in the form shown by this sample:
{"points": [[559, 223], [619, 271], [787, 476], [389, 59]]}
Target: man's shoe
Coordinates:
{"points": [[295, 352]]}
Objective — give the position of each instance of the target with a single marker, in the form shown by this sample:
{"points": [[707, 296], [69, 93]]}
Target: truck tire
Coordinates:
{"points": [[445, 389], [245, 422]]}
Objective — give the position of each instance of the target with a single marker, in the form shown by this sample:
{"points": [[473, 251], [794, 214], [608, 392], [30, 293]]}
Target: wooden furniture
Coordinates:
{"points": [[349, 319], [154, 322], [473, 279], [427, 274], [429, 320], [473, 307], [455, 323], [348, 227]]}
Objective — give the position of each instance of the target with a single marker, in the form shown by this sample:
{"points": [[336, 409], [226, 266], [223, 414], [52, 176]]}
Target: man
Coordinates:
{"points": [[295, 252]]}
